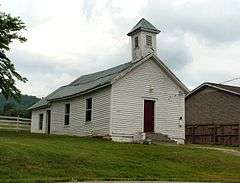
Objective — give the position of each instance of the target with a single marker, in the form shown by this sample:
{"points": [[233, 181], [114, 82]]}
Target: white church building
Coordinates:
{"points": [[135, 98]]}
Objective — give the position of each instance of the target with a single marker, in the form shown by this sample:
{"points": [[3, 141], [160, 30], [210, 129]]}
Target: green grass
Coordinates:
{"points": [[28, 157]]}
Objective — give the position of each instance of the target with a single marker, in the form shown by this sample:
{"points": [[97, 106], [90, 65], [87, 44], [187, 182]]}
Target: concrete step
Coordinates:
{"points": [[157, 138]]}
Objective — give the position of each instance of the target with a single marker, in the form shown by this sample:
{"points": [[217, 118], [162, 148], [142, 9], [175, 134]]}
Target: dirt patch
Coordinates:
{"points": [[229, 151]]}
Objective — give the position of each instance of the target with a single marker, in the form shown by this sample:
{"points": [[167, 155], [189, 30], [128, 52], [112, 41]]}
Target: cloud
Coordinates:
{"points": [[173, 50], [211, 63], [204, 37], [199, 39], [215, 20], [88, 6]]}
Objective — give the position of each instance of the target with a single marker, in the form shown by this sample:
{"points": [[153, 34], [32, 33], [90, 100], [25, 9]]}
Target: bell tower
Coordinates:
{"points": [[143, 39]]}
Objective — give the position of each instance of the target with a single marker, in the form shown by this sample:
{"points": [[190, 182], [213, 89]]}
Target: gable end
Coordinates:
{"points": [[160, 64]]}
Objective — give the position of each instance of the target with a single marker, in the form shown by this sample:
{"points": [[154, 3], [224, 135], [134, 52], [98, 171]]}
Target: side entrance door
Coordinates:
{"points": [[48, 121], [149, 115]]}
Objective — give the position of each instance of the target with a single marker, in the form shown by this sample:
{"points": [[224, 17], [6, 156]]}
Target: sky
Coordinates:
{"points": [[199, 40]]}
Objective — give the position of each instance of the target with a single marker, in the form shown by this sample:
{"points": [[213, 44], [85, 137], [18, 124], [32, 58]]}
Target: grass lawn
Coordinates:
{"points": [[28, 157]]}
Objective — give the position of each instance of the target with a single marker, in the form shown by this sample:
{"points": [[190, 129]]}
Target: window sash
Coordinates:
{"points": [[67, 114], [66, 119], [88, 111], [40, 121], [88, 115], [89, 103], [67, 108]]}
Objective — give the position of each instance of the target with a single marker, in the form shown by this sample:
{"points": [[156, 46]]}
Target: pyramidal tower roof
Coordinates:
{"points": [[143, 25]]}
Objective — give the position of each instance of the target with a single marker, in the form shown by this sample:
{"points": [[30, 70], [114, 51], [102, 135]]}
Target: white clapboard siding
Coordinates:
{"points": [[127, 99], [35, 121], [100, 119]]}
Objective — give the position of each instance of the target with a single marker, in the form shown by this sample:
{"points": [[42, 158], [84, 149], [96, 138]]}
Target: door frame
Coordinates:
{"points": [[155, 111], [48, 122]]}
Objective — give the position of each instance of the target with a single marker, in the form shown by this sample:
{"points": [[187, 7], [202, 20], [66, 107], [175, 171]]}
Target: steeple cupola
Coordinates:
{"points": [[143, 38]]}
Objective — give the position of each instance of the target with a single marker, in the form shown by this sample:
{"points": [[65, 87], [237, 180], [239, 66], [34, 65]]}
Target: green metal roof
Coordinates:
{"points": [[83, 84], [40, 104], [143, 25], [91, 82], [44, 101]]}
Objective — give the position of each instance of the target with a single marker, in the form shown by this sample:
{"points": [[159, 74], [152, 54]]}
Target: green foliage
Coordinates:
{"points": [[9, 31], [12, 108], [44, 158]]}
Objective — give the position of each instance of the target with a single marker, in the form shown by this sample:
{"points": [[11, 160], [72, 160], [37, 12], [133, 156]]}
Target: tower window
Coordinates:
{"points": [[149, 40], [136, 42]]}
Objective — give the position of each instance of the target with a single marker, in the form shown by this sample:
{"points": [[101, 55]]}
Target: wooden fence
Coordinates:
{"points": [[221, 134], [14, 123]]}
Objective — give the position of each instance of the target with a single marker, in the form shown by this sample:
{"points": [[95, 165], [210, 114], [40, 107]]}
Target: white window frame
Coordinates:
{"points": [[67, 114], [88, 110]]}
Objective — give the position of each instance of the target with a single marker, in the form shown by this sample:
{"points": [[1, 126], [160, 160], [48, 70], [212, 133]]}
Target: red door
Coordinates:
{"points": [[148, 116]]}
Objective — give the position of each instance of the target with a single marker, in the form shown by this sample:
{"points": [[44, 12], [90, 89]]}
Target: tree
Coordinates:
{"points": [[9, 31], [9, 109]]}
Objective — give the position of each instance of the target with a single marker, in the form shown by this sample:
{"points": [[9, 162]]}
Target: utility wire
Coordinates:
{"points": [[230, 80]]}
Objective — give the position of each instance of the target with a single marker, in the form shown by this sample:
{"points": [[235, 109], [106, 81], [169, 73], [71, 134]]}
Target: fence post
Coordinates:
{"points": [[239, 135], [17, 123], [214, 134], [193, 134]]}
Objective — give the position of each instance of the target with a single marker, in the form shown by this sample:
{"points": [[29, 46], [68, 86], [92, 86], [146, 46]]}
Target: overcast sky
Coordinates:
{"points": [[200, 39]]}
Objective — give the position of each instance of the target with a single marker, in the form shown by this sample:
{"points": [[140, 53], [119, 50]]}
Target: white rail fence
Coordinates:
{"points": [[15, 123]]}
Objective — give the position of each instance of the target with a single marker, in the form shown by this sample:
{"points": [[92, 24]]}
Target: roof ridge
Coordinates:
{"points": [[104, 69], [97, 73], [226, 88], [221, 85], [90, 80], [144, 25]]}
